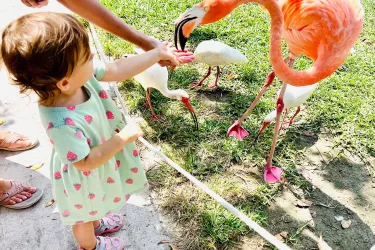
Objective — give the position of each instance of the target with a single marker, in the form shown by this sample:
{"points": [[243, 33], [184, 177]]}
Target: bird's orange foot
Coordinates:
{"points": [[237, 131], [272, 174], [156, 118], [195, 84], [213, 86]]}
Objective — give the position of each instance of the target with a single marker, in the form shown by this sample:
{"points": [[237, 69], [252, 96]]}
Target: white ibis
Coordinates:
{"points": [[294, 97], [214, 53], [157, 77]]}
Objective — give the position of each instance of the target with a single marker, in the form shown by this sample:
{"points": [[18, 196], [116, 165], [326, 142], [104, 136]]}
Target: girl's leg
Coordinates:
{"points": [[85, 235]]}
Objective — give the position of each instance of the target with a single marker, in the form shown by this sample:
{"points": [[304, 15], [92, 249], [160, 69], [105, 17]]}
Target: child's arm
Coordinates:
{"points": [[126, 68], [99, 155]]}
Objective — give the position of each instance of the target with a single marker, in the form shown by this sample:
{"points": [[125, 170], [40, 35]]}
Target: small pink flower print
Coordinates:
{"points": [[71, 108], [86, 173], [65, 213], [79, 222], [71, 156], [78, 134], [57, 175], [50, 125], [118, 164], [65, 168], [89, 141], [105, 196], [93, 213], [135, 152], [77, 186], [134, 170], [66, 194], [110, 180], [91, 196], [116, 199], [88, 118], [127, 197], [103, 94], [110, 115], [69, 121], [78, 206]]}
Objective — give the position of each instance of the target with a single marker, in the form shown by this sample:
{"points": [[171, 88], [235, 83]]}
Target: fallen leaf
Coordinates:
{"points": [[50, 203], [303, 203], [307, 133], [173, 247], [313, 213], [163, 242], [232, 76], [279, 237], [346, 223], [284, 234], [36, 166]]}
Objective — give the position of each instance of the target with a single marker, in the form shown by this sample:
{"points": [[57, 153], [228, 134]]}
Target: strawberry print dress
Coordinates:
{"points": [[87, 196]]}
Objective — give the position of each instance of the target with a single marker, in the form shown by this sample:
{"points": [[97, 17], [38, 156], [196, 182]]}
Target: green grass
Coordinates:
{"points": [[343, 103]]}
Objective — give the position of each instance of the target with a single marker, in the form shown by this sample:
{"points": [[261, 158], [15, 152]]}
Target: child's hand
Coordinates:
{"points": [[173, 57], [130, 132]]}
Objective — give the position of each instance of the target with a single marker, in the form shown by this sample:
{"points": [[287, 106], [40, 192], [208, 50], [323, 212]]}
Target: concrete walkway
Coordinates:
{"points": [[39, 227]]}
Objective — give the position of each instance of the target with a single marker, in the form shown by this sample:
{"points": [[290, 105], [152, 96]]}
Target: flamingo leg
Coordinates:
{"points": [[202, 80], [272, 173], [148, 99], [217, 78], [236, 129]]}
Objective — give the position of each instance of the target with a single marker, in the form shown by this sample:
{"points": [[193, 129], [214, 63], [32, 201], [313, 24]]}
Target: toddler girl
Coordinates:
{"points": [[95, 165]]}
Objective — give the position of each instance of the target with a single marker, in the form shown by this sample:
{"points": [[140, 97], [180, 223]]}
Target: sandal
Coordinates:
{"points": [[106, 243], [109, 224], [11, 141], [15, 189]]}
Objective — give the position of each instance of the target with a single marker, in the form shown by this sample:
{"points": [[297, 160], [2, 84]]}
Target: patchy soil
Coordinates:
{"points": [[339, 188]]}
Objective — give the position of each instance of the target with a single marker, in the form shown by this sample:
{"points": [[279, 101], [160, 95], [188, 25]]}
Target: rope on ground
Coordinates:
{"points": [[253, 225]]}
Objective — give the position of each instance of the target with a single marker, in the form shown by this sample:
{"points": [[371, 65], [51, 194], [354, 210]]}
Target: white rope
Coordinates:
{"points": [[253, 225]]}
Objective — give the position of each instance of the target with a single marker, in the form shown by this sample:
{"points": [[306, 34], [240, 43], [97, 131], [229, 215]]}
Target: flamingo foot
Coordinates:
{"points": [[272, 174], [213, 86], [237, 131], [195, 84], [156, 118]]}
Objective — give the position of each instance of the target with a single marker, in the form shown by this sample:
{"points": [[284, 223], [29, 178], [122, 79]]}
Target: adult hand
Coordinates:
{"points": [[35, 3]]}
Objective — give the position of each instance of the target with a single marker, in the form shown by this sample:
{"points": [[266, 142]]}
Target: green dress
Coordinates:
{"points": [[87, 196]]}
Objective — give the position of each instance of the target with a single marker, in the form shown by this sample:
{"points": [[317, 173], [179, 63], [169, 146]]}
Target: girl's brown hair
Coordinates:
{"points": [[40, 49]]}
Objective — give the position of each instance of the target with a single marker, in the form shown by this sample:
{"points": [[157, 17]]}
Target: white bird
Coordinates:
{"points": [[157, 77], [214, 53], [293, 97]]}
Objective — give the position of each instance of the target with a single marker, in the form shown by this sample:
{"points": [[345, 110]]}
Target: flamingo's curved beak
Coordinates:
{"points": [[186, 102], [182, 32]]}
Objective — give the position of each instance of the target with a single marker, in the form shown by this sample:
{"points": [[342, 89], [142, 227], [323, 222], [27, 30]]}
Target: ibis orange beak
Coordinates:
{"points": [[186, 102]]}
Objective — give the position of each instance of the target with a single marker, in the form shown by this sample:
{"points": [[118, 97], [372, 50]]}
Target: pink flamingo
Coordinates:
{"points": [[322, 30]]}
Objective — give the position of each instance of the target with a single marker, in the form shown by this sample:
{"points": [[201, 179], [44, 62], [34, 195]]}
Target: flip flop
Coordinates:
{"points": [[12, 138], [17, 188]]}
